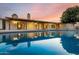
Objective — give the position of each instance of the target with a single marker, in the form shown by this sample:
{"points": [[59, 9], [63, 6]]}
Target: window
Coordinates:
{"points": [[52, 26]]}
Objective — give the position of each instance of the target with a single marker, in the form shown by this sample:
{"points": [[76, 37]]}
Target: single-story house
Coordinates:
{"points": [[15, 23]]}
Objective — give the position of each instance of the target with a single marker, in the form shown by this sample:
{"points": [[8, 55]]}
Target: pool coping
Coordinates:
{"points": [[15, 31]]}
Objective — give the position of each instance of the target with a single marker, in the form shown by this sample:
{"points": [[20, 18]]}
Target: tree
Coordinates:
{"points": [[71, 15]]}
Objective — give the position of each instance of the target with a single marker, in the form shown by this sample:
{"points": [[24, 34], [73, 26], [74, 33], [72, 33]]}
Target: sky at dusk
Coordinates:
{"points": [[39, 11]]}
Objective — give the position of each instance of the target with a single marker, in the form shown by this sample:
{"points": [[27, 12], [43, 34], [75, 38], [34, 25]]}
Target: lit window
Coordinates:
{"points": [[14, 22], [19, 26]]}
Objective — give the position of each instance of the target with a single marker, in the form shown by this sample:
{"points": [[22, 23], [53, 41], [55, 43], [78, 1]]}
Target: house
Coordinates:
{"points": [[15, 23]]}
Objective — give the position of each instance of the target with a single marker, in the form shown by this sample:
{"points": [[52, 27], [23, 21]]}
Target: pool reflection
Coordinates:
{"points": [[49, 43], [16, 38]]}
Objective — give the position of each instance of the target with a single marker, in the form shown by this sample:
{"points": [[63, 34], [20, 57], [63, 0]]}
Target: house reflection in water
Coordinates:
{"points": [[16, 38]]}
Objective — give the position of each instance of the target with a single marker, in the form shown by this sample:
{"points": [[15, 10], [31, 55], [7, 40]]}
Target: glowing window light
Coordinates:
{"points": [[35, 23], [14, 22], [15, 38], [19, 26], [19, 34]]}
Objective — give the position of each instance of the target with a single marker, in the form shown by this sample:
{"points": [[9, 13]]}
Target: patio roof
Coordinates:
{"points": [[29, 20]]}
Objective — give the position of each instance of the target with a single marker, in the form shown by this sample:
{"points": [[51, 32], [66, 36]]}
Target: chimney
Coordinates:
{"points": [[28, 16]]}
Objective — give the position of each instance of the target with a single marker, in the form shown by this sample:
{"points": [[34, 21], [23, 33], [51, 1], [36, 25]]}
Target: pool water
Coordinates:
{"points": [[40, 43]]}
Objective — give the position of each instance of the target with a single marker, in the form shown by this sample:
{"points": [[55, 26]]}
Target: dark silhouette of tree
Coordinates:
{"points": [[71, 15]]}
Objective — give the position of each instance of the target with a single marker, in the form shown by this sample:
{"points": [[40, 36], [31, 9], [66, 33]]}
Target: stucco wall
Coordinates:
{"points": [[68, 27], [6, 25], [77, 25], [0, 24]]}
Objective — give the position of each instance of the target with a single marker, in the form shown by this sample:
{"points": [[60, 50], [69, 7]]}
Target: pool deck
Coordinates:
{"points": [[14, 31]]}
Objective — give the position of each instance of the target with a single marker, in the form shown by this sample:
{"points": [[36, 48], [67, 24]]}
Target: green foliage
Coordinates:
{"points": [[71, 15]]}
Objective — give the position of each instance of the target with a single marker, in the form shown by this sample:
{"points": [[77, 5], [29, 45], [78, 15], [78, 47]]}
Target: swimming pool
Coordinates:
{"points": [[40, 43]]}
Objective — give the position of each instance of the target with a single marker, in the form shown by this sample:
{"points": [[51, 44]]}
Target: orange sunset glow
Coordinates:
{"points": [[39, 11]]}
